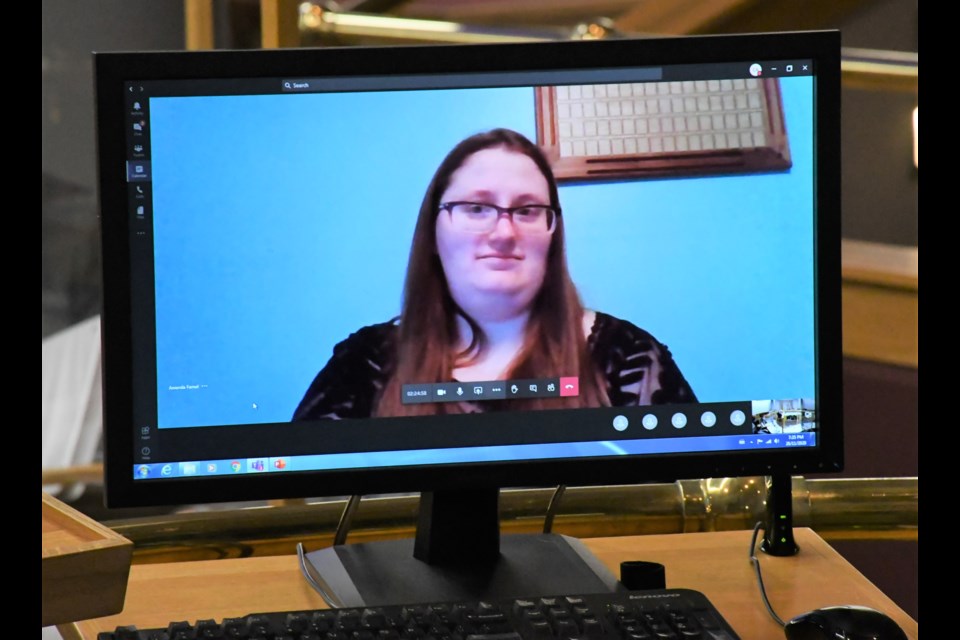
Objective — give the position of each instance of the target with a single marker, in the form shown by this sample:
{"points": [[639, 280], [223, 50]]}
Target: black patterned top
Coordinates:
{"points": [[637, 368]]}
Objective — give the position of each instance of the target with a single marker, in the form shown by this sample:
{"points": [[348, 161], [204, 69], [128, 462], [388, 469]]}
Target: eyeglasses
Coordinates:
{"points": [[481, 217]]}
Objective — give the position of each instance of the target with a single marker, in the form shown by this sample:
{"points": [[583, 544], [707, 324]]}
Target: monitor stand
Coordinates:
{"points": [[458, 554]]}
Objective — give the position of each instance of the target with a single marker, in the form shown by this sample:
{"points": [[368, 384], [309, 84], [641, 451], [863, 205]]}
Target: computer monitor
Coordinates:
{"points": [[451, 269]]}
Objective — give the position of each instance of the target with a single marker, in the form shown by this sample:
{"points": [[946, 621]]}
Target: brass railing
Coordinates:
{"points": [[866, 508], [325, 25], [319, 24]]}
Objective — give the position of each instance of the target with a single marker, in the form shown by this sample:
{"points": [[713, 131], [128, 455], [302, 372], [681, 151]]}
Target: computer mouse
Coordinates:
{"points": [[844, 623]]}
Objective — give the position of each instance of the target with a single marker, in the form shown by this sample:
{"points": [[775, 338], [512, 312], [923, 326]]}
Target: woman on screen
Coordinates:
{"points": [[488, 297]]}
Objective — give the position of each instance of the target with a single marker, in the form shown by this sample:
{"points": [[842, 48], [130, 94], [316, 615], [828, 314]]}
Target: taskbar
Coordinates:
{"points": [[495, 453]]}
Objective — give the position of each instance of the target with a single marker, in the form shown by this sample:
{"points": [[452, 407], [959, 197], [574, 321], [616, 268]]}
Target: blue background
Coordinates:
{"points": [[283, 224]]}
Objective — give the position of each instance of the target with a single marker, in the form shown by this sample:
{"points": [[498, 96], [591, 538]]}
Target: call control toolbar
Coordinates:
{"points": [[486, 390]]}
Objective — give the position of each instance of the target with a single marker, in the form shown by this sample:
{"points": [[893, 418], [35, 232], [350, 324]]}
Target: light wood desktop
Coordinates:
{"points": [[716, 564]]}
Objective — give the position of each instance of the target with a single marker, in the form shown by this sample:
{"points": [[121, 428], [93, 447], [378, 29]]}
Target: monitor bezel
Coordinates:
{"points": [[113, 70]]}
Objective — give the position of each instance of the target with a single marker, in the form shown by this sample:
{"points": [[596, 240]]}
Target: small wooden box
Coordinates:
{"points": [[83, 567]]}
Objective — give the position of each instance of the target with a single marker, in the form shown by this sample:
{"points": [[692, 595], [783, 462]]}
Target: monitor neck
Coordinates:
{"points": [[458, 527]]}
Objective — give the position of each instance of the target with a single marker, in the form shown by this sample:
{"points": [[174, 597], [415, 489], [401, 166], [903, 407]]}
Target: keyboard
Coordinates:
{"points": [[663, 614]]}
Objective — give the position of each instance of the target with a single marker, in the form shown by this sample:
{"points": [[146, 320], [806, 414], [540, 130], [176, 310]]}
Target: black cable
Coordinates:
{"points": [[313, 579], [346, 520], [339, 537], [755, 561], [552, 508]]}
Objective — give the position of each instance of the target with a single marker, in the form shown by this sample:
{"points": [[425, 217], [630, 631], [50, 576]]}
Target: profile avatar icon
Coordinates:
{"points": [[756, 70]]}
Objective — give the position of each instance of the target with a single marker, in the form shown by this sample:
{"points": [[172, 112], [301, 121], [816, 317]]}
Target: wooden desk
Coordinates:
{"points": [[714, 563]]}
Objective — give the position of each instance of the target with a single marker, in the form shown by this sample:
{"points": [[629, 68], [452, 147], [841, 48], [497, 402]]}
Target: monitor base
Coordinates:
{"points": [[381, 573]]}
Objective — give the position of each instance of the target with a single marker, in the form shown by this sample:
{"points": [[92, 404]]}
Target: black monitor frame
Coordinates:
{"points": [[113, 70]]}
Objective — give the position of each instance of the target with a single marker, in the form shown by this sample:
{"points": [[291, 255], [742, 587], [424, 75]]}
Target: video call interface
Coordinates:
{"points": [[274, 233]]}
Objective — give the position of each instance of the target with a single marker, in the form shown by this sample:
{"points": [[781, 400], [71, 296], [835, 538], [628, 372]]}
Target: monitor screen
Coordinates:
{"points": [[332, 272]]}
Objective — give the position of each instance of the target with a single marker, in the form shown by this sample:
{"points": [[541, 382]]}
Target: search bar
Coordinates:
{"points": [[296, 85], [471, 80]]}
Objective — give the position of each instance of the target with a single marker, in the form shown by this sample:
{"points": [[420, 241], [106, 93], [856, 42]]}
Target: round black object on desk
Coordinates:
{"points": [[638, 575]]}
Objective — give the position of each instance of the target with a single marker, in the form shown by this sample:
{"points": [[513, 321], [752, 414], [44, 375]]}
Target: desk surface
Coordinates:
{"points": [[715, 563]]}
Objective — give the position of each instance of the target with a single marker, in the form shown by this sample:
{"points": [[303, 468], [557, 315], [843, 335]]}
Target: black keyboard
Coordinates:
{"points": [[665, 614]]}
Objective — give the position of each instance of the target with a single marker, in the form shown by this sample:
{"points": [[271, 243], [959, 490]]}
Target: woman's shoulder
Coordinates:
{"points": [[636, 364], [347, 385], [371, 338], [608, 330], [365, 353], [619, 344]]}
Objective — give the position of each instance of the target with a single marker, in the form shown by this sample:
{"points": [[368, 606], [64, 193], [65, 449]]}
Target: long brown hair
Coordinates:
{"points": [[426, 348]]}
